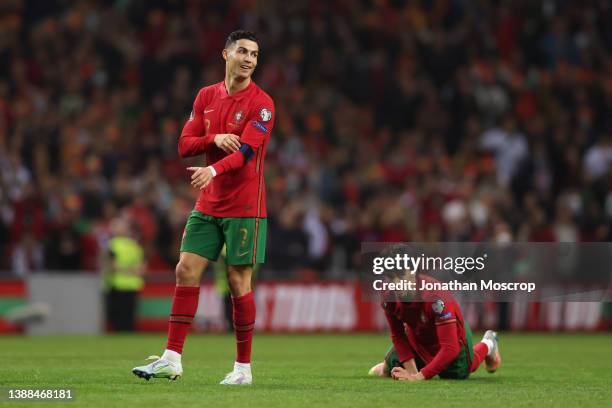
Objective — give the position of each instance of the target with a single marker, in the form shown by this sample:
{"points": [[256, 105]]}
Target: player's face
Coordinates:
{"points": [[241, 58], [407, 276]]}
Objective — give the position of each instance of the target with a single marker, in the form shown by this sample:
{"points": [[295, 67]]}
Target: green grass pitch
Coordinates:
{"points": [[305, 370]]}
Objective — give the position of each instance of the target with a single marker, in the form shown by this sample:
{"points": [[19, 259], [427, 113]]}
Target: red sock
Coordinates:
{"points": [[184, 307], [244, 323], [480, 352]]}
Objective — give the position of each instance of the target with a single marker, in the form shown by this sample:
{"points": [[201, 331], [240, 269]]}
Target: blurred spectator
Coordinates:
{"points": [[123, 265]]}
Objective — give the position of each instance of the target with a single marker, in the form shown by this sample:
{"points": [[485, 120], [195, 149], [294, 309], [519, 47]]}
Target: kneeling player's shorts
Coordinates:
{"points": [[245, 238], [458, 369]]}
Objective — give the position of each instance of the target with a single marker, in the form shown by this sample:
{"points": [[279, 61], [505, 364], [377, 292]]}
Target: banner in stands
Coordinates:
{"points": [[338, 307], [331, 307], [12, 296]]}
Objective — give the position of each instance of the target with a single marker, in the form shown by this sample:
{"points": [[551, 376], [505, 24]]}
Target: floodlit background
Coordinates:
{"points": [[396, 121]]}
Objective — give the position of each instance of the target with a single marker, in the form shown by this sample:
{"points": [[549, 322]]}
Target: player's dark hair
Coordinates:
{"points": [[390, 252], [401, 249], [239, 35]]}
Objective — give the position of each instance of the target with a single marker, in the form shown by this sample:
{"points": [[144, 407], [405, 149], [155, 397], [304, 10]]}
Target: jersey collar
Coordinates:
{"points": [[238, 95]]}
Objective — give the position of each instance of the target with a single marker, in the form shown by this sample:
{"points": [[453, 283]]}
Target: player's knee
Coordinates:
{"points": [[186, 274], [239, 282], [236, 283]]}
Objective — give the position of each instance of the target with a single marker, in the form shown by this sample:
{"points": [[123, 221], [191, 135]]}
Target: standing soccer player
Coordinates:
{"points": [[231, 123]]}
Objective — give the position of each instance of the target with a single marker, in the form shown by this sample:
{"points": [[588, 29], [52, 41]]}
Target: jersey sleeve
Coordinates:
{"points": [[444, 312], [260, 124], [445, 320], [257, 129], [398, 335], [193, 140]]}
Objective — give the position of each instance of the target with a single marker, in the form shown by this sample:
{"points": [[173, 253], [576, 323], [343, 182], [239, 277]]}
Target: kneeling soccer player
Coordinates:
{"points": [[431, 338]]}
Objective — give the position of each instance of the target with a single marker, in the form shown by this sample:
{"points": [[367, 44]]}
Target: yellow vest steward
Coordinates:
{"points": [[128, 254]]}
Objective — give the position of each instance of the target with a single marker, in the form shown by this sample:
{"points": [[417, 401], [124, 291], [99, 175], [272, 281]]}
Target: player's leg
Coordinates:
{"points": [[185, 301], [184, 306], [487, 350], [245, 244], [243, 316], [243, 310], [480, 352], [202, 241]]}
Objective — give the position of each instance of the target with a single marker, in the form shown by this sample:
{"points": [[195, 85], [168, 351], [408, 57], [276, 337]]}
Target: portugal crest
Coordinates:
{"points": [[238, 116]]}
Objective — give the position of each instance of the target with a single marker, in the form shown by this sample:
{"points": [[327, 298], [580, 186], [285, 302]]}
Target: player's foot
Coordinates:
{"points": [[493, 358], [378, 370], [238, 377], [160, 368]]}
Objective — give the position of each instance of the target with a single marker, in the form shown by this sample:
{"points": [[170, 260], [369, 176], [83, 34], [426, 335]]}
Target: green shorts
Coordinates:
{"points": [[245, 238], [458, 369]]}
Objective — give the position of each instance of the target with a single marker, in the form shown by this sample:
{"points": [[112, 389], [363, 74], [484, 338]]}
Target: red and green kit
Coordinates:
{"points": [[431, 331], [231, 210]]}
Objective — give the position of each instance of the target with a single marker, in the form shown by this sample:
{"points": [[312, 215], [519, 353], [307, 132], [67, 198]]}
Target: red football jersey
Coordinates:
{"points": [[431, 329], [238, 188]]}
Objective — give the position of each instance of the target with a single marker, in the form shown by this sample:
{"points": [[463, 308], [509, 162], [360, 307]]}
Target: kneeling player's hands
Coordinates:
{"points": [[228, 142], [201, 176], [401, 374]]}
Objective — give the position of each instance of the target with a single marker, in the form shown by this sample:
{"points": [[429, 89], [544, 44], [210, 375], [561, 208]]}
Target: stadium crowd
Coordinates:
{"points": [[396, 120]]}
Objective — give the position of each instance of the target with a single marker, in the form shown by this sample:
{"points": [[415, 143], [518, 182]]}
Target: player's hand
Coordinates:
{"points": [[401, 374], [228, 142], [201, 177]]}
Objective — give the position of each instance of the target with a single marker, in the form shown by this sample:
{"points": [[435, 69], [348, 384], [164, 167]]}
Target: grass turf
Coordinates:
{"points": [[305, 370]]}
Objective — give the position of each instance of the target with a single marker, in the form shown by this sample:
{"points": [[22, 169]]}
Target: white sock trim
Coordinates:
{"points": [[171, 356], [242, 366], [489, 344]]}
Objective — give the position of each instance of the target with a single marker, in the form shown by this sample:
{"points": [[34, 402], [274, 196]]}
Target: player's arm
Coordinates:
{"points": [[446, 330], [194, 140], [400, 342], [259, 126]]}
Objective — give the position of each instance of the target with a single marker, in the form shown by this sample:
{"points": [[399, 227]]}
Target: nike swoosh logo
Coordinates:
{"points": [[207, 111], [243, 254]]}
